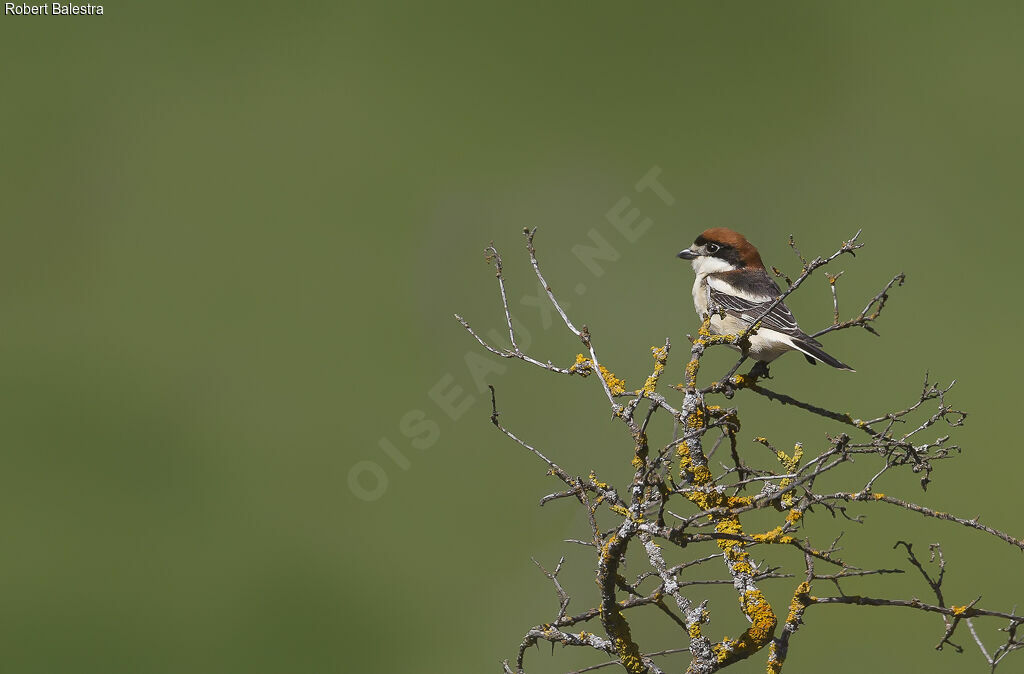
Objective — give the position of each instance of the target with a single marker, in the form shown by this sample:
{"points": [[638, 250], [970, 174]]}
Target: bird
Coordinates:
{"points": [[732, 280]]}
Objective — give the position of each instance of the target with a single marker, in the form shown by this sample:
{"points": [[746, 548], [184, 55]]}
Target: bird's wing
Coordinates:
{"points": [[779, 318]]}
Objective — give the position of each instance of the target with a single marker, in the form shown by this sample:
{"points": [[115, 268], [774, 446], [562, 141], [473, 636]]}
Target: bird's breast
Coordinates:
{"points": [[700, 296]]}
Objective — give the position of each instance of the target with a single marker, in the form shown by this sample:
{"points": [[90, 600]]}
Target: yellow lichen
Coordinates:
{"points": [[732, 548], [790, 464], [619, 510], [685, 461], [629, 656], [606, 551], [599, 483], [773, 536], [742, 567], [754, 604], [701, 475], [762, 627], [758, 609], [583, 366], [660, 356], [799, 602], [696, 420], [723, 649], [691, 372], [615, 385], [774, 664]]}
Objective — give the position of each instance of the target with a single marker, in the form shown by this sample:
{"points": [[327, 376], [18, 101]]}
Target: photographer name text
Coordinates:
{"points": [[54, 9]]}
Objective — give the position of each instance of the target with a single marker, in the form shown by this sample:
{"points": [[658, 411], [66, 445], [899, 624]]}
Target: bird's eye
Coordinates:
{"points": [[712, 248]]}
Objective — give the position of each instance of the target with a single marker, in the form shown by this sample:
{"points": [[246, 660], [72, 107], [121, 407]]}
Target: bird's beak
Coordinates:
{"points": [[688, 254]]}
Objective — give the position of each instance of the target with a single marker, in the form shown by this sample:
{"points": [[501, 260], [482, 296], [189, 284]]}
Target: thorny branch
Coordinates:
{"points": [[712, 505]]}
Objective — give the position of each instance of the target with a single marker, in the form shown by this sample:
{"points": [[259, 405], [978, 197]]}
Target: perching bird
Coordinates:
{"points": [[732, 277]]}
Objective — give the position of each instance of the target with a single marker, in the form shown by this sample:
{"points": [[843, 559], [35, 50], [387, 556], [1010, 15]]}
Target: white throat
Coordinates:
{"points": [[705, 264]]}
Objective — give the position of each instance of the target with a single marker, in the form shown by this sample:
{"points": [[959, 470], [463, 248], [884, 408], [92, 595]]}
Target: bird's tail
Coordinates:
{"points": [[812, 349]]}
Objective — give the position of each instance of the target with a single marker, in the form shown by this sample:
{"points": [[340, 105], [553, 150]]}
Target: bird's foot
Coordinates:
{"points": [[759, 371]]}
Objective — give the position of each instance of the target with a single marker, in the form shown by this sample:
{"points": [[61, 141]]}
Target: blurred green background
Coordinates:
{"points": [[233, 239]]}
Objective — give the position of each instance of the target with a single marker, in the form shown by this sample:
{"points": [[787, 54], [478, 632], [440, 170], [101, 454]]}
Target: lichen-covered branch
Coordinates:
{"points": [[710, 505]]}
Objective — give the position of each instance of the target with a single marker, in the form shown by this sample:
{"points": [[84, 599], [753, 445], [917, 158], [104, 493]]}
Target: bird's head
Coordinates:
{"points": [[719, 250]]}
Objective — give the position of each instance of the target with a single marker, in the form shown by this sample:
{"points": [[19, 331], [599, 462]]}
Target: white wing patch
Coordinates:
{"points": [[723, 286]]}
